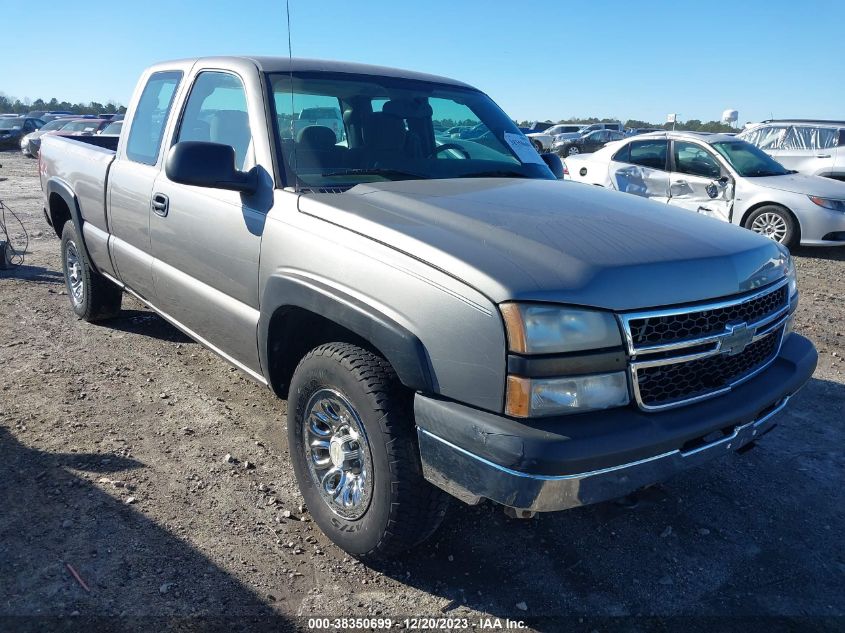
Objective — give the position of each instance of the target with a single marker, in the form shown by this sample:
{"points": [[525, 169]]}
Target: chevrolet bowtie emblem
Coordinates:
{"points": [[737, 339]]}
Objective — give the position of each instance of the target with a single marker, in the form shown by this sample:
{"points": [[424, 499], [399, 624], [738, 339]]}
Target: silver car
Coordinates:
{"points": [[815, 148], [723, 177]]}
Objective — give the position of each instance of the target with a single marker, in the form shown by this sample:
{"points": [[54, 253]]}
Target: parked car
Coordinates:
{"points": [[544, 140], [723, 177], [83, 127], [589, 142], [815, 148], [636, 131], [12, 130], [439, 321], [31, 143]]}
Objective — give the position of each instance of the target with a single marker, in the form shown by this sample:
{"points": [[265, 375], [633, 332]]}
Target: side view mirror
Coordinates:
{"points": [[724, 180], [208, 165], [554, 163]]}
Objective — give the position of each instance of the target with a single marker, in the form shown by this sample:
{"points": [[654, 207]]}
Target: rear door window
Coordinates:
{"points": [[147, 127], [651, 153]]}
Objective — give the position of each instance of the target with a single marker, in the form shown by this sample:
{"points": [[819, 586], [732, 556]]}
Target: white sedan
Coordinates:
{"points": [[723, 177]]}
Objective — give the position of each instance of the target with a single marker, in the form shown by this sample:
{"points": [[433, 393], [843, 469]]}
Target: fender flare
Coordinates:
{"points": [[401, 347], [64, 191]]}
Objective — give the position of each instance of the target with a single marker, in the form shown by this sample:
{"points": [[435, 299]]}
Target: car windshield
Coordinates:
{"points": [[55, 124], [81, 126], [113, 128], [11, 124], [337, 130], [748, 160]]}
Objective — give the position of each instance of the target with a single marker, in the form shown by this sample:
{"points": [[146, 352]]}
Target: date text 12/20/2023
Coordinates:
{"points": [[416, 624]]}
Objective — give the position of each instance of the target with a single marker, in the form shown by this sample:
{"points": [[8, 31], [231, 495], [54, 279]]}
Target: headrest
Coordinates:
{"points": [[384, 132], [407, 109], [317, 137]]}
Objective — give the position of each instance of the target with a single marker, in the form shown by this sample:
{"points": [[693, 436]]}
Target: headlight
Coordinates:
{"points": [[827, 203], [544, 329], [531, 397], [789, 272]]}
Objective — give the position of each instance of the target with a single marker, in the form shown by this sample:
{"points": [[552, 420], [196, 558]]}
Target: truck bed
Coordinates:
{"points": [[82, 162]]}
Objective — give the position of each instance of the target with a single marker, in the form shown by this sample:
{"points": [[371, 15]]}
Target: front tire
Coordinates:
{"points": [[776, 223], [537, 145], [353, 446], [573, 151], [92, 296]]}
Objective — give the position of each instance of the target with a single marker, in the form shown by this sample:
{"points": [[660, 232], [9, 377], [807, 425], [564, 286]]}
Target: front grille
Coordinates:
{"points": [[662, 329], [664, 385]]}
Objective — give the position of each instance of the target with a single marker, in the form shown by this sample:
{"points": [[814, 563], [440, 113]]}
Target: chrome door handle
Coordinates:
{"points": [[822, 155], [160, 204]]}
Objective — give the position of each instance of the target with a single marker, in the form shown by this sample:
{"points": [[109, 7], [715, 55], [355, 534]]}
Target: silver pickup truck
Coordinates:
{"points": [[442, 315]]}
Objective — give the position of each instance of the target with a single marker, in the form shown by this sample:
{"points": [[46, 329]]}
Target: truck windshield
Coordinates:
{"points": [[748, 160], [337, 130]]}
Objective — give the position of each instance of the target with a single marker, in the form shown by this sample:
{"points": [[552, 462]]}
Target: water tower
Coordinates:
{"points": [[730, 117]]}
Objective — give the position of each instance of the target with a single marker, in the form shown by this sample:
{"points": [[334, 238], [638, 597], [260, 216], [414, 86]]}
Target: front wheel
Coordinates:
{"points": [[92, 296], [776, 223], [572, 151], [353, 446], [537, 145]]}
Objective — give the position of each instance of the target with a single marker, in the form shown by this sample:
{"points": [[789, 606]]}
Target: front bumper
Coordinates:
{"points": [[821, 227], [559, 463]]}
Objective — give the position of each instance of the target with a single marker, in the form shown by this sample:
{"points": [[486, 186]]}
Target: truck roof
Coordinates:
{"points": [[296, 64]]}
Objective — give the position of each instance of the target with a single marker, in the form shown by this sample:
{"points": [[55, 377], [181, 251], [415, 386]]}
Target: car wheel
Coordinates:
{"points": [[573, 150], [353, 445], [537, 145], [92, 296], [776, 223]]}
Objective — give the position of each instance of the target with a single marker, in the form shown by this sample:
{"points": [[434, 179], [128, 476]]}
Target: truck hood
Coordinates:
{"points": [[800, 183], [545, 240]]}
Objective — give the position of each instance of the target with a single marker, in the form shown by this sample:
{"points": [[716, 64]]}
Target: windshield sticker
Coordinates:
{"points": [[523, 148]]}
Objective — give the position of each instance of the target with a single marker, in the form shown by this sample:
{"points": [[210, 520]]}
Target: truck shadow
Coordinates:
{"points": [[35, 274], [749, 535], [146, 323], [55, 518]]}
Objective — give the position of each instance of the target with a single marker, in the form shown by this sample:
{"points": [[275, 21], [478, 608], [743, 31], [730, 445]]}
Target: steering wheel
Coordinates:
{"points": [[454, 146]]}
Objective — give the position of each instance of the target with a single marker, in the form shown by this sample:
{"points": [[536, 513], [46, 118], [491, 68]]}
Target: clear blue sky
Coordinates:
{"points": [[538, 60]]}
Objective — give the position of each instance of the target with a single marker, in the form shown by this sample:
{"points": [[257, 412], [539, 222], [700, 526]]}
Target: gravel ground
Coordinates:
{"points": [[112, 467]]}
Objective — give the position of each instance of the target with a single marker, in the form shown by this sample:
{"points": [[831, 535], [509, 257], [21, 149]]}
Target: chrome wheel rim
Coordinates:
{"points": [[573, 150], [337, 453], [73, 268], [772, 225]]}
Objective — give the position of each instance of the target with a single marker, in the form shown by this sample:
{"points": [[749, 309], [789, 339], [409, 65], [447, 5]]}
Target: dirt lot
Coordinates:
{"points": [[112, 445]]}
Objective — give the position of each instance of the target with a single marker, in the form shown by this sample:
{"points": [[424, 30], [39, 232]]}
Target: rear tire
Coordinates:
{"points": [[776, 223], [92, 296], [537, 145], [347, 412]]}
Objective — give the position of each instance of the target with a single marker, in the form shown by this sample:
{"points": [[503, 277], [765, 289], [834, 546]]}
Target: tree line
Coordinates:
{"points": [[692, 125], [18, 106]]}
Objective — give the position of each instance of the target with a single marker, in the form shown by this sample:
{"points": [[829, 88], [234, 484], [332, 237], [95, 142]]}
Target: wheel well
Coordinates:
{"points": [[770, 204], [59, 212], [293, 332]]}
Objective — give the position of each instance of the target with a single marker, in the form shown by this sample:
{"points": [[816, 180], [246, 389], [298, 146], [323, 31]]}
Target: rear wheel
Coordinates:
{"points": [[776, 223], [353, 445], [92, 296], [537, 145]]}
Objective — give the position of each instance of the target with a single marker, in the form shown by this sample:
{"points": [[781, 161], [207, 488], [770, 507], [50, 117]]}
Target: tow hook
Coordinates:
{"points": [[516, 513]]}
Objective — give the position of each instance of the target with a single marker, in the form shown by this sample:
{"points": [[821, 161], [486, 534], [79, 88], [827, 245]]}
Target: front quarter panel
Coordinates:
{"points": [[460, 329]]}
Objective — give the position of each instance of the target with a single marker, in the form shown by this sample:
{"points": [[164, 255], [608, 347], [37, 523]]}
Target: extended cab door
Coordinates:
{"points": [[130, 182], [639, 167], [206, 241], [698, 182]]}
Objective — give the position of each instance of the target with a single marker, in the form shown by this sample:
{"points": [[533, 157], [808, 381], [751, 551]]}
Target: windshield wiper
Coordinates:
{"points": [[763, 173], [503, 173], [391, 174]]}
